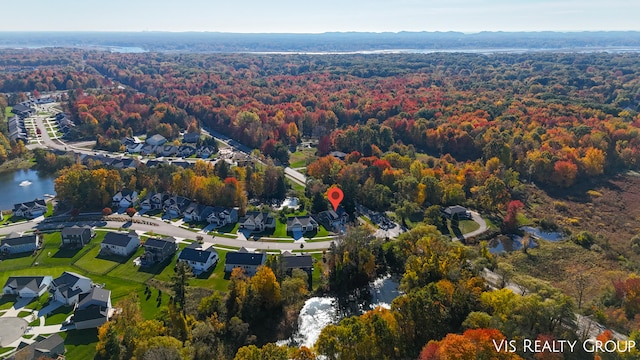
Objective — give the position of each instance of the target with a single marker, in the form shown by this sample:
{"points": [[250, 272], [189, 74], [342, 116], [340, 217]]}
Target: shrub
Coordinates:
{"points": [[584, 239], [635, 244], [560, 206]]}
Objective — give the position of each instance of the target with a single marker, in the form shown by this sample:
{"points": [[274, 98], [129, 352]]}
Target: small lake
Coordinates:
{"points": [[23, 185]]}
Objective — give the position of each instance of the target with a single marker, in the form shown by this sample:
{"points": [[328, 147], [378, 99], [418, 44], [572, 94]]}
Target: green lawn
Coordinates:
{"points": [[281, 230], [130, 271], [58, 316], [7, 301], [317, 270], [301, 158], [467, 226], [228, 229], [211, 280], [80, 344], [7, 112], [37, 303], [92, 264], [295, 186], [24, 313], [149, 303], [16, 261]]}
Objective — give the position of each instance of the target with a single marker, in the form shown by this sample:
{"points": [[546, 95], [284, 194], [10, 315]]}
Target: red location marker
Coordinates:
{"points": [[335, 197]]}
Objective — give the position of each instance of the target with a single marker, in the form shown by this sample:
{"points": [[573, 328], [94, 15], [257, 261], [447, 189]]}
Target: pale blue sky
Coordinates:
{"points": [[301, 16]]}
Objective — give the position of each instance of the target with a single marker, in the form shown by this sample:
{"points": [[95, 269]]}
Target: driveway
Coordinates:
{"points": [[481, 230]]}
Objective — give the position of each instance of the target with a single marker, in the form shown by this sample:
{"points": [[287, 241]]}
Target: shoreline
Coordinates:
{"points": [[17, 164]]}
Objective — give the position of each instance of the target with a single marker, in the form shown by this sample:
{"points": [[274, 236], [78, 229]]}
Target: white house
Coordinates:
{"points": [[121, 244], [30, 209], [198, 258], [125, 198], [257, 221], [93, 309], [245, 260], [196, 212], [69, 286], [27, 286], [221, 216], [301, 224]]}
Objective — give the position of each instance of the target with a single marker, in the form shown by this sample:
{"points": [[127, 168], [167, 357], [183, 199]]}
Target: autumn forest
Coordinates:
{"points": [[542, 139]]}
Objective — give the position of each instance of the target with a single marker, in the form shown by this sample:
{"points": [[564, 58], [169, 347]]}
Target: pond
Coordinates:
{"points": [[544, 235], [23, 185], [508, 243]]}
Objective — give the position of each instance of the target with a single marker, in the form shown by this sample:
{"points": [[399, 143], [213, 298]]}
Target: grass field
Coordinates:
{"points": [[467, 226], [302, 158], [90, 262], [80, 344], [7, 112]]}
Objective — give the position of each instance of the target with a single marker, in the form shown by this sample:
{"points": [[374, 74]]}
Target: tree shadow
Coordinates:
{"points": [[115, 258], [81, 337]]}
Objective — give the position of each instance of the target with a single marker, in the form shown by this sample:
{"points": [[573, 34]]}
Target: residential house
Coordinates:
{"points": [[333, 220], [200, 259], [125, 198], [175, 206], [76, 236], [30, 209], [156, 140], [182, 164], [205, 151], [289, 262], [15, 243], [158, 250], [221, 216], [27, 286], [132, 145], [185, 151], [301, 224], [154, 201], [16, 129], [167, 150], [245, 260], [148, 149], [23, 110], [93, 309], [338, 155], [191, 138], [257, 221], [121, 244], [50, 347], [68, 287], [197, 212], [457, 211], [125, 163], [153, 163]]}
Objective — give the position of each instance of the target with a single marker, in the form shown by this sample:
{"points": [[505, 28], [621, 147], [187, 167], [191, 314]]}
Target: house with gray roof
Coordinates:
{"points": [[257, 221], [248, 261], [301, 224], [68, 287], [120, 244], [156, 140], [158, 250], [199, 258], [197, 212], [76, 236], [50, 347], [30, 209], [15, 243], [222, 216], [93, 309], [27, 286]]}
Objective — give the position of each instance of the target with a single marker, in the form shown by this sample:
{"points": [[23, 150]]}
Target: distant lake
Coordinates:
{"points": [[23, 185]]}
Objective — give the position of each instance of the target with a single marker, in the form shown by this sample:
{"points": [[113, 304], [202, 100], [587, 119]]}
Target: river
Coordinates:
{"points": [[23, 185], [318, 312]]}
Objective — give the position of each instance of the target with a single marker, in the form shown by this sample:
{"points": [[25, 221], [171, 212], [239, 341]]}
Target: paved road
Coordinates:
{"points": [[160, 227], [291, 173]]}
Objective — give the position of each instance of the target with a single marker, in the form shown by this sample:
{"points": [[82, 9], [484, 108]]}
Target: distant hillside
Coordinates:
{"points": [[328, 42]]}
